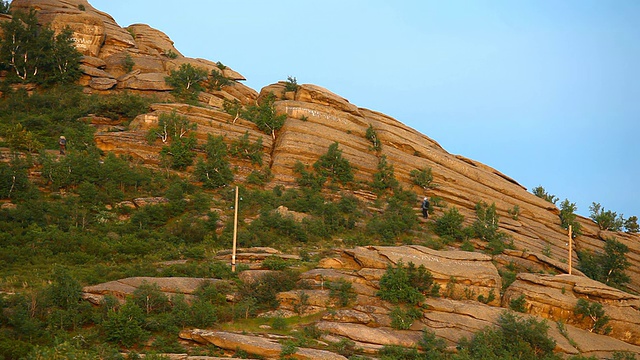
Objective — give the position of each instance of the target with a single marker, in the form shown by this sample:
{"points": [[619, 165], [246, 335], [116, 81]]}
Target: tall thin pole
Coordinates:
{"points": [[235, 233], [570, 248]]}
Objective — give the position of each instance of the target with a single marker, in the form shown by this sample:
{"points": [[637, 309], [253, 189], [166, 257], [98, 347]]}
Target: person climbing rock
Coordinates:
{"points": [[63, 145], [425, 207]]}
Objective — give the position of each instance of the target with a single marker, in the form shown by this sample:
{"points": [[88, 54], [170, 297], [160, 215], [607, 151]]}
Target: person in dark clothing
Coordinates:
{"points": [[425, 207], [63, 145]]}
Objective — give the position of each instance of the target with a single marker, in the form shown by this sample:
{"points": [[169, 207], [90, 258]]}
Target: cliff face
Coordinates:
{"points": [[315, 118]]}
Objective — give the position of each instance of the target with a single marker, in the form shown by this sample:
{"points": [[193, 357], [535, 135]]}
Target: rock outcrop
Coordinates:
{"points": [[556, 297]]}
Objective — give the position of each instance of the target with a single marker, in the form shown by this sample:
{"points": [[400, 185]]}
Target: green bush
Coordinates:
{"points": [[333, 166], [187, 82], [518, 304], [264, 115], [450, 224], [608, 267], [384, 178], [422, 178], [372, 136], [606, 220], [408, 284], [291, 84], [151, 299], [217, 80], [540, 192], [341, 291], [568, 217], [243, 148], [215, 171], [403, 318], [596, 315], [631, 225], [515, 338], [398, 218], [124, 326]]}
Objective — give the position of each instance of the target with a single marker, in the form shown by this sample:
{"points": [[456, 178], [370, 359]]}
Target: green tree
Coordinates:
{"points": [[291, 84], [187, 82], [4, 7], [217, 80], [125, 325], [243, 148], [333, 165], [14, 178], [385, 177], [171, 127], [631, 224], [264, 115], [515, 338], [177, 131], [372, 136], [540, 192], [596, 315], [65, 58], [33, 54], [408, 284], [422, 178], [450, 224], [606, 220], [215, 171], [608, 267], [568, 217], [308, 179], [486, 226]]}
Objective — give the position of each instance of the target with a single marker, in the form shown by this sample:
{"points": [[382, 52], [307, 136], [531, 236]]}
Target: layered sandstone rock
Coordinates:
{"points": [[555, 298], [123, 288], [253, 345]]}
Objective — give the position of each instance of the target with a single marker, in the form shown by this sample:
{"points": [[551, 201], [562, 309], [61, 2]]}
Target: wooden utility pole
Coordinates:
{"points": [[570, 248], [235, 233]]}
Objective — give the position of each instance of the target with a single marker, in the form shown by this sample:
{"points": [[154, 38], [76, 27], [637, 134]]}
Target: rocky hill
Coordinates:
{"points": [[315, 119]]}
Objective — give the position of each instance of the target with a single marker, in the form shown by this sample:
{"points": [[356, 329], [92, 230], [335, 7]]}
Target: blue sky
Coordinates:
{"points": [[546, 91]]}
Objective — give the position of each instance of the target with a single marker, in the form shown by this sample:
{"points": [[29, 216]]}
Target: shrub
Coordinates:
{"points": [[608, 267], [215, 171], [275, 263], [186, 82], [515, 338], [372, 136], [124, 326], [243, 148], [264, 116], [217, 80], [291, 84], [402, 319], [409, 284], [128, 63], [342, 291], [568, 217], [606, 220], [596, 315], [540, 192], [422, 178], [631, 225], [332, 165], [450, 224], [486, 225], [518, 304], [308, 179], [151, 299], [398, 218], [261, 293], [514, 212], [385, 177]]}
